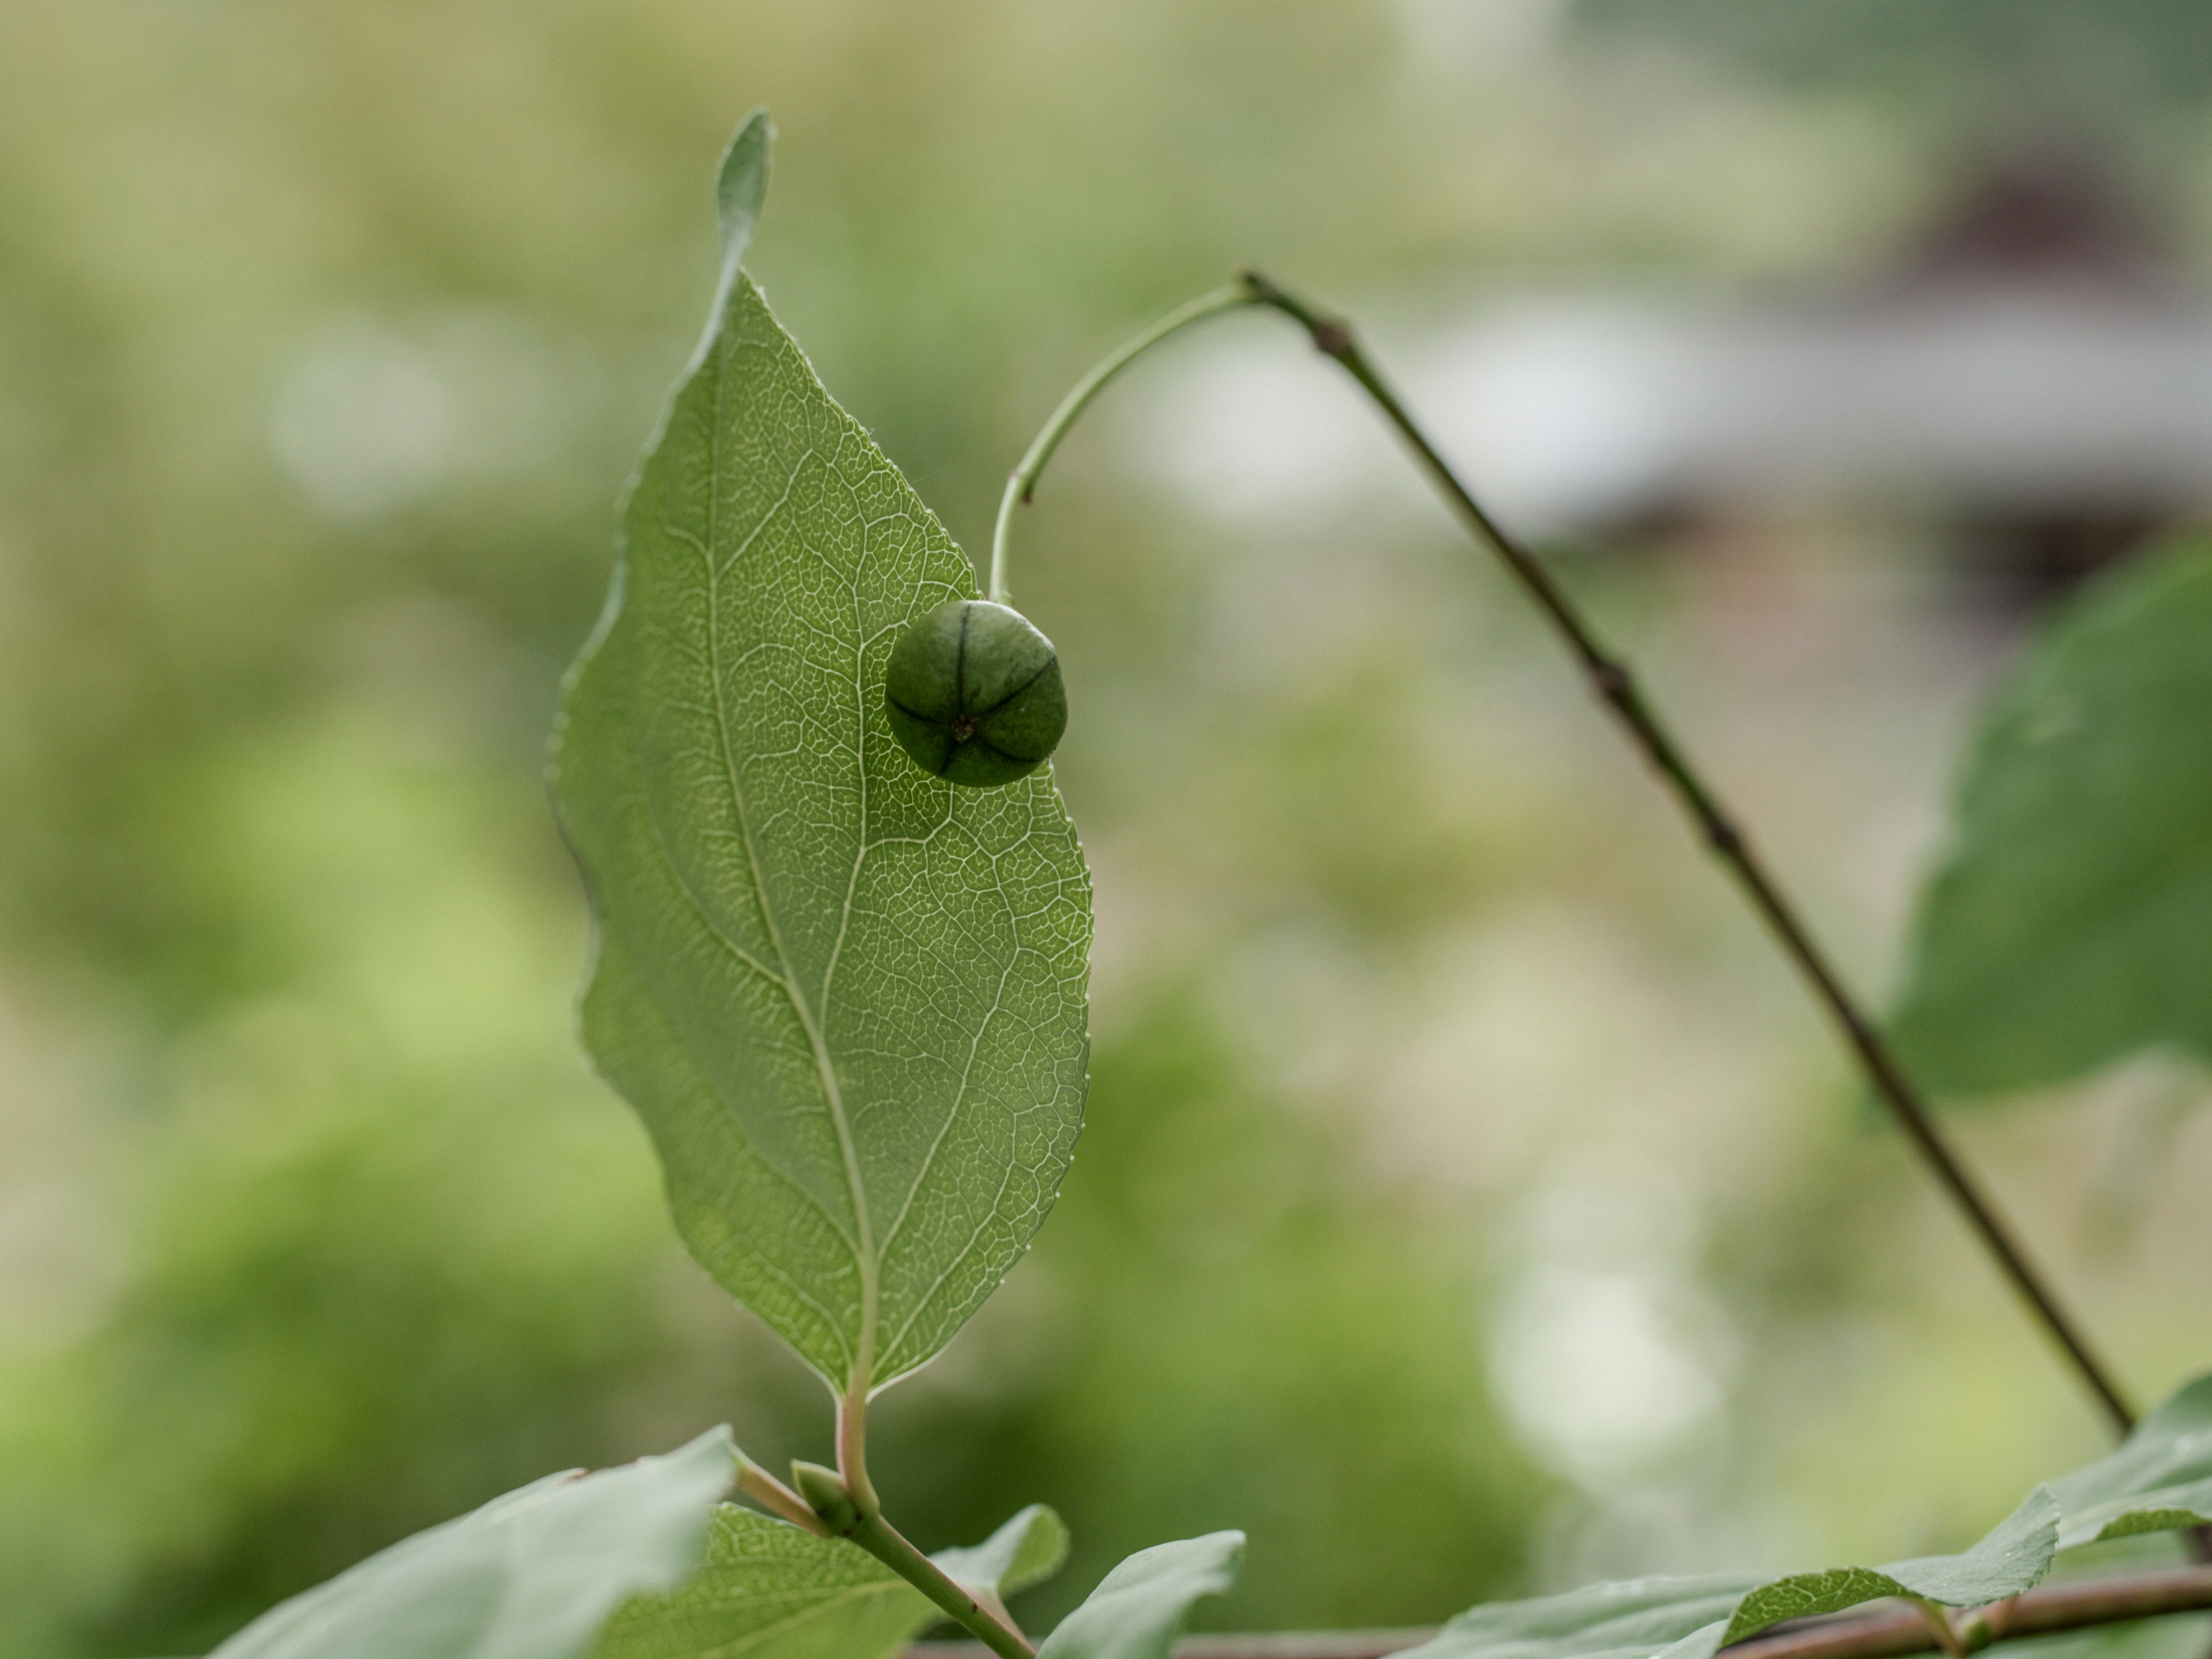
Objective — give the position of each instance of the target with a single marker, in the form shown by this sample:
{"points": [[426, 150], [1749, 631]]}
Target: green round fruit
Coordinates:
{"points": [[975, 694]]}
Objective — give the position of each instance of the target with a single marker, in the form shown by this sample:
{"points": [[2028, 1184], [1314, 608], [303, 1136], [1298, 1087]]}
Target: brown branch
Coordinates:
{"points": [[1892, 1633], [1615, 686]]}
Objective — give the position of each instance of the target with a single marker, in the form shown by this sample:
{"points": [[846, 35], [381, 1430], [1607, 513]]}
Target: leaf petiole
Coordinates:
{"points": [[1617, 688]]}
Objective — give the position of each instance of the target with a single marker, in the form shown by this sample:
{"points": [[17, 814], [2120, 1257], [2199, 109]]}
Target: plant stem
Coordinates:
{"points": [[1021, 483], [1892, 1632], [883, 1540], [872, 1533], [1615, 686]]}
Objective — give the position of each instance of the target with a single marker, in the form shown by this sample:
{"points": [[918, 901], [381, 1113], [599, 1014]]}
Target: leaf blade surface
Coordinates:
{"points": [[768, 1590], [2070, 923], [849, 1000], [2159, 1480], [1693, 1618], [532, 1575], [1139, 1607]]}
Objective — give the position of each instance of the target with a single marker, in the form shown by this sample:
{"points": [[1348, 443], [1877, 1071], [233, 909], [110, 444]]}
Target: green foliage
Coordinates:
{"points": [[530, 1575], [2013, 1558], [1694, 1618], [848, 998], [770, 1591], [2160, 1480], [1628, 1620], [1210, 1292], [1025, 1551], [1139, 1608], [291, 1110], [2071, 922]]}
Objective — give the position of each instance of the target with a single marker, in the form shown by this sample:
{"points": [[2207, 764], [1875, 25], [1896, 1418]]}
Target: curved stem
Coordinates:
{"points": [[869, 1529], [883, 1540], [1615, 686], [852, 1449], [1021, 483]]}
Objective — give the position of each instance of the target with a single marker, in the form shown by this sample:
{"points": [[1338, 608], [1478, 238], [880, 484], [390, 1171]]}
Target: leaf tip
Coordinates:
{"points": [[741, 184]]}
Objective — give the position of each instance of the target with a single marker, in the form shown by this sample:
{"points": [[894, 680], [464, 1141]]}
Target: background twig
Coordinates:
{"points": [[1616, 687]]}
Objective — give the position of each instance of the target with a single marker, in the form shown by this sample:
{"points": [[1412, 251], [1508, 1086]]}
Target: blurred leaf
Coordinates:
{"points": [[773, 1592], [529, 1576], [1137, 1609], [1694, 1618], [2159, 1480], [848, 998], [2071, 922], [2013, 1558], [1628, 1620], [1028, 1549], [2173, 1637]]}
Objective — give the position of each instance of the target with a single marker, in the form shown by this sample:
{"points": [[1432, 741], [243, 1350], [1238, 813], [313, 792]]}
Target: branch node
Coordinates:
{"points": [[1613, 681], [1331, 338]]}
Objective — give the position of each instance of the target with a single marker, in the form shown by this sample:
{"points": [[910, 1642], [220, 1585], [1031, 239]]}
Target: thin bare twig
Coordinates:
{"points": [[1615, 686]]}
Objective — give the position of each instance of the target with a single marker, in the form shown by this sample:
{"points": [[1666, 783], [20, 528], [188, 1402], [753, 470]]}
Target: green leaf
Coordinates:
{"points": [[2013, 1558], [1634, 1620], [1028, 1549], [846, 998], [1695, 1618], [1137, 1609], [2070, 923], [2159, 1480], [770, 1591], [529, 1576]]}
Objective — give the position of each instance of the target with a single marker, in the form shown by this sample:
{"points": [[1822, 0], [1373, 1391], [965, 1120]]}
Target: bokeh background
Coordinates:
{"points": [[1469, 1203]]}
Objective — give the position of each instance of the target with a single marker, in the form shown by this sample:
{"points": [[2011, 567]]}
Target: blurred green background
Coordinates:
{"points": [[1469, 1203]]}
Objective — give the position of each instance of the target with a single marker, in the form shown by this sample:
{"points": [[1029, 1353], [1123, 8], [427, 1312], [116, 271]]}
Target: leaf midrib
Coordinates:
{"points": [[833, 1095]]}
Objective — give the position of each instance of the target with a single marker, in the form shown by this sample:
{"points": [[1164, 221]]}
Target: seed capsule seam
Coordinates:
{"points": [[912, 714], [960, 663], [1050, 662], [982, 742]]}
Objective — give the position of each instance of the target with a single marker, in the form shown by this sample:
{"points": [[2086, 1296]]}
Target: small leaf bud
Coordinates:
{"points": [[975, 694], [825, 1494]]}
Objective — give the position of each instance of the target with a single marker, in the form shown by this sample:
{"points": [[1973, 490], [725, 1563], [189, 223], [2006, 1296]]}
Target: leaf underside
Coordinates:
{"points": [[530, 1575], [1139, 1608], [1694, 1618], [2070, 923], [848, 998], [2159, 1480]]}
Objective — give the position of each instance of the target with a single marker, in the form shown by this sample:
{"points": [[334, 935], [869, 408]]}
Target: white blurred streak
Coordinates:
{"points": [[1481, 38], [62, 1258], [363, 422], [1571, 413], [1608, 1357], [376, 416], [1253, 428], [1600, 1371]]}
